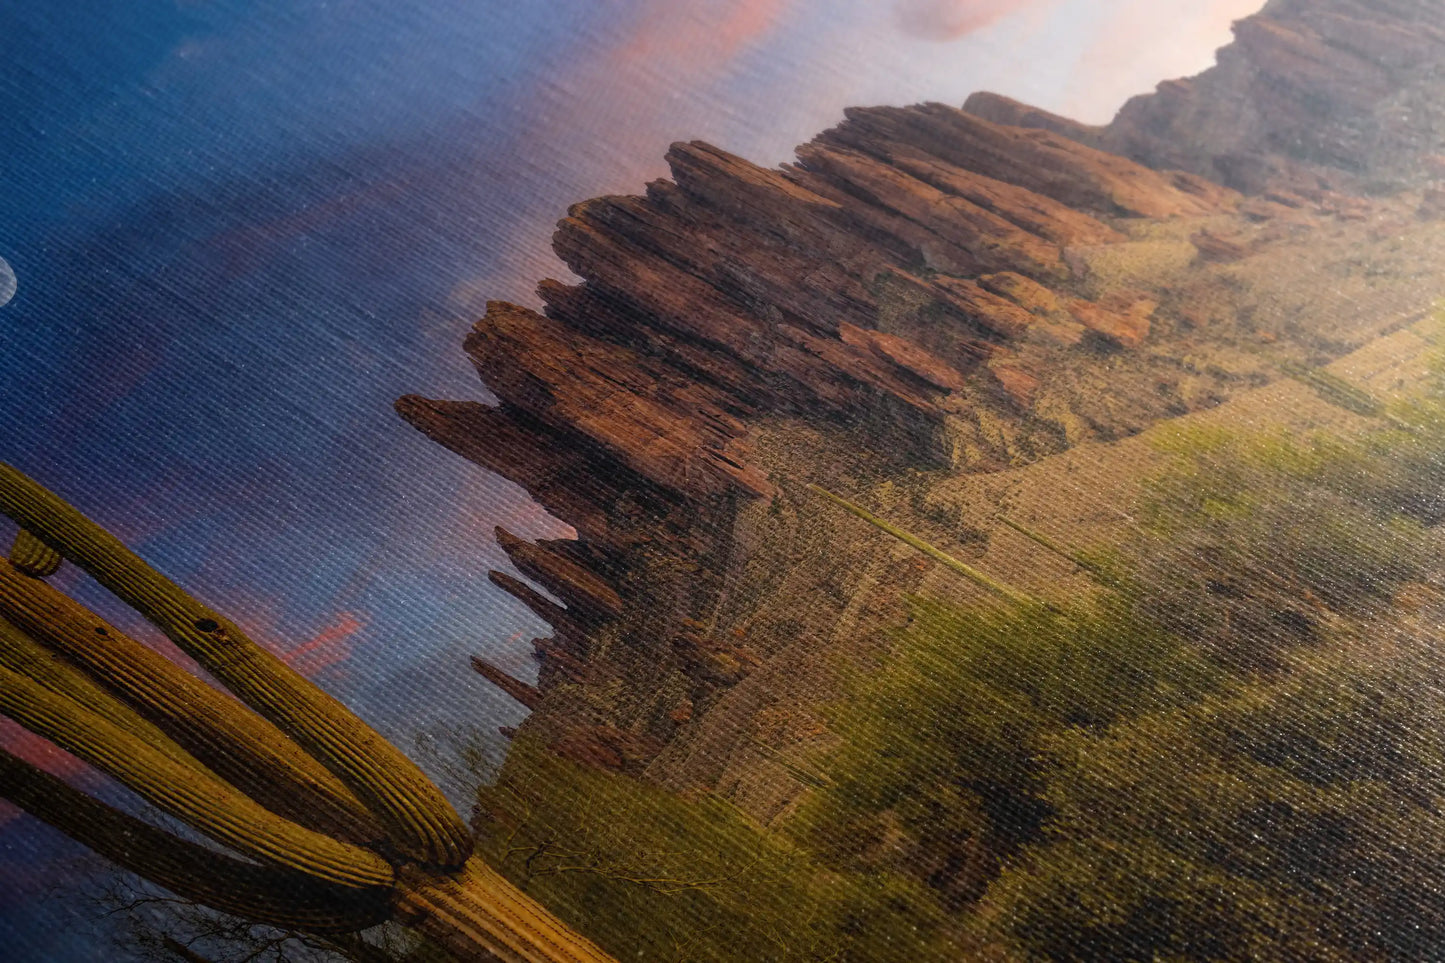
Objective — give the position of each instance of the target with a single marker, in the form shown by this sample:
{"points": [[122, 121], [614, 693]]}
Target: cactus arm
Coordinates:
{"points": [[420, 823], [239, 746], [33, 557], [1006, 592], [266, 894], [187, 791], [23, 655], [478, 915]]}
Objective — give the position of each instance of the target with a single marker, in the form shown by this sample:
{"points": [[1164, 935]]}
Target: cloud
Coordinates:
{"points": [[700, 38], [331, 646], [944, 20], [266, 623]]}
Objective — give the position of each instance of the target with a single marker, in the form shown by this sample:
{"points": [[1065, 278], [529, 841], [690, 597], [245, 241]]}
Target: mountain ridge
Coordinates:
{"points": [[926, 293], [1312, 94]]}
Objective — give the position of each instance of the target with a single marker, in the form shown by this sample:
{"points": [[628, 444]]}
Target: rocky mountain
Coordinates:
{"points": [[1320, 93], [928, 292]]}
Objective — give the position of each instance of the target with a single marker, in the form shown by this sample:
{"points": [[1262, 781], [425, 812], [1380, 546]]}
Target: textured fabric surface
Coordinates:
{"points": [[724, 480]]}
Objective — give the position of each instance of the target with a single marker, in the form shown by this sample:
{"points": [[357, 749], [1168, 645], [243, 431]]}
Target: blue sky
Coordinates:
{"points": [[241, 228]]}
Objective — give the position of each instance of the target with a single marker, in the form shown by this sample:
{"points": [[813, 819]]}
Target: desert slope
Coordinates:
{"points": [[927, 300]]}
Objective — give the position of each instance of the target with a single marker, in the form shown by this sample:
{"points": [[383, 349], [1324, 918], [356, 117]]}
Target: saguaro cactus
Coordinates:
{"points": [[333, 828]]}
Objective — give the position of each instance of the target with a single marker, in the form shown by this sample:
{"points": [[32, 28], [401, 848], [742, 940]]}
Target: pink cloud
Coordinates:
{"points": [[664, 49], [701, 37], [263, 621], [329, 647], [944, 20]]}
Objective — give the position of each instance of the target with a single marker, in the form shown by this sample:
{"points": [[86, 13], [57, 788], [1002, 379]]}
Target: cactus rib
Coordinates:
{"points": [[420, 823], [477, 909], [33, 557], [22, 654], [266, 894], [187, 792], [239, 746]]}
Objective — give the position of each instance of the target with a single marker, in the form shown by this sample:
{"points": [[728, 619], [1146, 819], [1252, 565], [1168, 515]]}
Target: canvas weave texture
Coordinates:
{"points": [[732, 481]]}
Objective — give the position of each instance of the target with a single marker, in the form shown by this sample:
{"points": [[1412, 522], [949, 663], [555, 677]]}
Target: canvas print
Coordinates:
{"points": [[732, 481]]}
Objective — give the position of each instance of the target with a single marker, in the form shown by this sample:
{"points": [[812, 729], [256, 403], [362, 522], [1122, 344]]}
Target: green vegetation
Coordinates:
{"points": [[1294, 811], [1254, 544], [1234, 749], [1299, 820], [943, 770], [653, 876]]}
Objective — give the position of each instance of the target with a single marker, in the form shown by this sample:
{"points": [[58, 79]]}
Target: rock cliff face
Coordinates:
{"points": [[925, 292], [1312, 93]]}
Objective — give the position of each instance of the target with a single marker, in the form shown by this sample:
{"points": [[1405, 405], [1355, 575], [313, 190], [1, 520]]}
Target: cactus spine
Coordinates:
{"points": [[296, 786]]}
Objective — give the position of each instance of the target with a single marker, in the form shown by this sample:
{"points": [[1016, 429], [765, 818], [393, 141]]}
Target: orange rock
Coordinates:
{"points": [[1038, 160], [983, 307], [676, 435], [1129, 331], [1216, 249], [1017, 382], [528, 695], [1025, 292], [993, 242], [607, 747], [906, 355], [548, 563]]}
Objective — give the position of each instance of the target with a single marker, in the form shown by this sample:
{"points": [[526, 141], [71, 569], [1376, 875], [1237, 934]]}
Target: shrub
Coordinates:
{"points": [[1298, 819], [942, 771], [653, 876], [1253, 544]]}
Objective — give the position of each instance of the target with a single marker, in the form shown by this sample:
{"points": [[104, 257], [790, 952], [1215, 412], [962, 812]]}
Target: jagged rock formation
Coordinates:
{"points": [[1312, 93], [909, 254], [525, 693], [926, 290]]}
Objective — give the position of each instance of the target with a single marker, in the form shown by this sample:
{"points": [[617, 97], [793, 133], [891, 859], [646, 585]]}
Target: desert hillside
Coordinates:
{"points": [[946, 315]]}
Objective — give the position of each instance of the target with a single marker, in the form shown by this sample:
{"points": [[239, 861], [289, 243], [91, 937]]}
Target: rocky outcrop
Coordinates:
{"points": [[863, 284], [528, 695], [555, 566], [1039, 160], [607, 747], [670, 429], [925, 291], [1312, 94]]}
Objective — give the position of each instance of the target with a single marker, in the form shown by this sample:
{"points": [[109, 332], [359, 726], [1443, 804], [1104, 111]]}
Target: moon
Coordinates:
{"points": [[8, 283]]}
